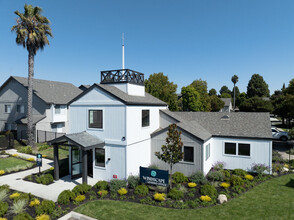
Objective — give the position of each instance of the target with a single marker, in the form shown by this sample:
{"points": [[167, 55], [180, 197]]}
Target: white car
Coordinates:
{"points": [[279, 134]]}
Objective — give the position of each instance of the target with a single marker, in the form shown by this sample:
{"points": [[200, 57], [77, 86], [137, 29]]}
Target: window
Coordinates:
{"points": [[238, 149], [7, 108], [100, 157], [230, 148], [207, 150], [95, 119], [57, 109], [244, 149], [20, 108], [7, 127], [189, 154], [145, 118]]}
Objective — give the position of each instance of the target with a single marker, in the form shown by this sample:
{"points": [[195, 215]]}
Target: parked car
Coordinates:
{"points": [[279, 134]]}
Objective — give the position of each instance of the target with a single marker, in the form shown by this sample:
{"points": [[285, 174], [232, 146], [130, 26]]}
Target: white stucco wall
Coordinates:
{"points": [[131, 89], [207, 164]]}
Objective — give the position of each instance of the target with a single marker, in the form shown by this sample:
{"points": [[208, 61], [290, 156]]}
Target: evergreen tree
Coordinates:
{"points": [[257, 87]]}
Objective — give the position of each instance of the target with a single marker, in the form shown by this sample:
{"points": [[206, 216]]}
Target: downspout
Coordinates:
{"points": [[126, 142]]}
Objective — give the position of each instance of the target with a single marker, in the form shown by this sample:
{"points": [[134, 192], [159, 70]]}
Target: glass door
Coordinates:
{"points": [[76, 163]]}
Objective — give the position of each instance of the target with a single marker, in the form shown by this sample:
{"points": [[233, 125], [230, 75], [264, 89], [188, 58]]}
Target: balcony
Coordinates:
{"points": [[122, 76]]}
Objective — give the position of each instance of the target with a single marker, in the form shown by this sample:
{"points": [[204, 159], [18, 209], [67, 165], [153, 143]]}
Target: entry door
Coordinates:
{"points": [[76, 163], [90, 162]]}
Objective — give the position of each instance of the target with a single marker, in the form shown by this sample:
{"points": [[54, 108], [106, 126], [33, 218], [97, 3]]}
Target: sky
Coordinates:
{"points": [[187, 40]]}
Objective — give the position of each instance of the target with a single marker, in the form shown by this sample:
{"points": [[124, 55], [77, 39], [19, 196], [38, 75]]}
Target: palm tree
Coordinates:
{"points": [[234, 80], [32, 30]]}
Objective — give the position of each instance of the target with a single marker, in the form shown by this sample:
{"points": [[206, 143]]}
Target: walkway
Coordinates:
{"points": [[49, 192]]}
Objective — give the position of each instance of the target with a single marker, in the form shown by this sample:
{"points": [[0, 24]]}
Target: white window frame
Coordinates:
{"points": [[6, 109], [183, 150], [237, 149], [105, 156], [20, 108], [103, 119], [147, 126]]}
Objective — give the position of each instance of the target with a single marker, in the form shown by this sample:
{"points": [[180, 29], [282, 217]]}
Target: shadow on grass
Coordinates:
{"points": [[290, 183]]}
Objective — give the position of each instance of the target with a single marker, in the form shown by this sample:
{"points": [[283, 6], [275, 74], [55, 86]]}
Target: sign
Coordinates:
{"points": [[39, 160], [114, 176], [154, 176]]}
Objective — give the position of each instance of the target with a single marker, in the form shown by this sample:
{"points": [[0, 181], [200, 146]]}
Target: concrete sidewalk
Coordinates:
{"points": [[50, 192]]}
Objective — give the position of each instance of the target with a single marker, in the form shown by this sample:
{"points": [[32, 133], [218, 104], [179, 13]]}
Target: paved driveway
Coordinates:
{"points": [[282, 148]]}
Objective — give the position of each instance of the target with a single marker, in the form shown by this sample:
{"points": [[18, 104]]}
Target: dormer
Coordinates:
{"points": [[129, 81]]}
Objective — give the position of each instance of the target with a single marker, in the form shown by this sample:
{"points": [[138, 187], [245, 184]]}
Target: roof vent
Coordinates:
{"points": [[225, 117]]}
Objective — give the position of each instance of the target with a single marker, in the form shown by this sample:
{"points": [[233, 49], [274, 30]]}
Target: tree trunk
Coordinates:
{"points": [[30, 133], [234, 96], [171, 176]]}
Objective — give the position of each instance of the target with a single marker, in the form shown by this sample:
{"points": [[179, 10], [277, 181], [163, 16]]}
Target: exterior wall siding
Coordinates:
{"points": [[166, 120], [183, 167]]}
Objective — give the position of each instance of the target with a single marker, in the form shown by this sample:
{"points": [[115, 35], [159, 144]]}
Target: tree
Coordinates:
{"points": [[191, 99], [257, 87], [32, 31], [159, 86], [201, 87], [256, 104], [234, 80], [224, 89], [212, 92], [216, 103], [225, 95], [172, 151]]}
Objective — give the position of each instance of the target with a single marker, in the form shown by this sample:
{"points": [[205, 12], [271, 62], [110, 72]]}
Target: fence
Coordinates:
{"points": [[44, 136]]}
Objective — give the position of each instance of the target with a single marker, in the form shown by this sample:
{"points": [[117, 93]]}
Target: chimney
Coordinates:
{"points": [[129, 81]]}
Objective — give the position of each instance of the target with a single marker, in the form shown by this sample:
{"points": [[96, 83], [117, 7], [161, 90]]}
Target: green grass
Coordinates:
{"points": [[63, 153], [270, 200], [11, 162]]}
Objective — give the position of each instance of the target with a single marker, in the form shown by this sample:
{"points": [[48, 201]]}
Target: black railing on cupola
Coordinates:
{"points": [[122, 76]]}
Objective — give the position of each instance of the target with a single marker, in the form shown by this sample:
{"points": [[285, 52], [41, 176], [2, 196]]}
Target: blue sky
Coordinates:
{"points": [[187, 40]]}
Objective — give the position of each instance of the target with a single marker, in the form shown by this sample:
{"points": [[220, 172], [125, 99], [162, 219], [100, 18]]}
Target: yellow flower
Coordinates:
{"points": [[31, 159], [2, 172], [192, 185], [286, 165], [122, 191], [14, 195], [43, 217], [80, 198], [249, 177], [3, 218], [159, 196], [15, 155], [34, 202], [225, 185], [44, 155], [51, 168], [205, 198]]}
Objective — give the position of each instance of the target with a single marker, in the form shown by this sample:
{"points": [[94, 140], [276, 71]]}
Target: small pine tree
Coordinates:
{"points": [[172, 150]]}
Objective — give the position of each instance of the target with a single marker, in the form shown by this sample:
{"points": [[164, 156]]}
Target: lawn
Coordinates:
{"points": [[49, 152], [12, 162], [272, 199]]}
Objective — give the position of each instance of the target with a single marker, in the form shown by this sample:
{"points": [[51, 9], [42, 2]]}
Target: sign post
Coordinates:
{"points": [[39, 162], [154, 176]]}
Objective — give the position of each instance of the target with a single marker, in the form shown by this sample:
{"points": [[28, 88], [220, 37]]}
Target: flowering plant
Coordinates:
{"points": [[219, 165], [122, 191], [205, 198], [159, 196], [249, 177], [2, 172], [192, 185], [225, 185]]}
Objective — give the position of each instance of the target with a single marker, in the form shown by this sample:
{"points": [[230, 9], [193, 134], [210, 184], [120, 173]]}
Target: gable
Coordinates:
{"points": [[96, 96]]}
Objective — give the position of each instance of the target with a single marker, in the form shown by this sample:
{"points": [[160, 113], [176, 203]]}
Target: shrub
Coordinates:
{"points": [[239, 172], [31, 159], [43, 147], [80, 198], [219, 165], [178, 177], [5, 187], [23, 216], [215, 176], [101, 185], [116, 185], [46, 207], [34, 202], [226, 173], [18, 206], [259, 168], [3, 208], [175, 194], [236, 180], [81, 189], [51, 168], [45, 179], [182, 188], [2, 172], [14, 195], [249, 177], [153, 166], [208, 190], [141, 190], [133, 181], [192, 185], [159, 196], [14, 155], [3, 194], [65, 197], [277, 157], [43, 217], [277, 167], [205, 198], [25, 150], [122, 191], [225, 185], [198, 178], [102, 193]]}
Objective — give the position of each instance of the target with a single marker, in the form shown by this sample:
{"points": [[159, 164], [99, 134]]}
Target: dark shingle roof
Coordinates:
{"points": [[51, 92], [124, 97], [225, 124], [227, 101]]}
